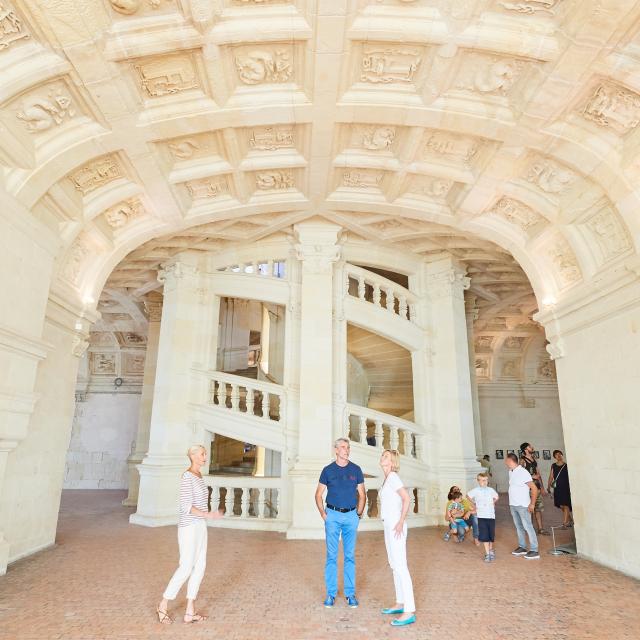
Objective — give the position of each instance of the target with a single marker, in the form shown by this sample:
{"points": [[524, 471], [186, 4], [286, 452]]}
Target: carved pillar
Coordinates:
{"points": [[187, 339], [449, 377], [471, 311], [154, 314], [317, 250]]}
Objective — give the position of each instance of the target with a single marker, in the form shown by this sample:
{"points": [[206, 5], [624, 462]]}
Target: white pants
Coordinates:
{"points": [[397, 554], [192, 542]]}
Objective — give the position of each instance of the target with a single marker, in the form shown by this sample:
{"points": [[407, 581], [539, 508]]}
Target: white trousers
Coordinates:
{"points": [[397, 554], [192, 542]]}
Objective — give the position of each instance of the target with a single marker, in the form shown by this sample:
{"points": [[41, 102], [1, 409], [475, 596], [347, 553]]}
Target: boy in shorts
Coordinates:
{"points": [[485, 498]]}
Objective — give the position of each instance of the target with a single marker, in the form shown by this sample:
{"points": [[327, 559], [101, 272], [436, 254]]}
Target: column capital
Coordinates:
{"points": [[317, 246], [447, 279], [172, 272]]}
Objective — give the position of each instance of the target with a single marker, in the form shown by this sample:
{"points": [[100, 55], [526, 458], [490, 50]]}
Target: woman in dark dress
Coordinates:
{"points": [[559, 484]]}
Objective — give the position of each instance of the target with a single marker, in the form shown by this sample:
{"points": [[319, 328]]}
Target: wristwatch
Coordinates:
{"points": [[359, 515]]}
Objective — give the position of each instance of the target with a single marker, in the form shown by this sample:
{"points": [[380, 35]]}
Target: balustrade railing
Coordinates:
{"points": [[381, 292], [245, 498], [244, 395], [383, 431], [271, 268], [417, 495]]}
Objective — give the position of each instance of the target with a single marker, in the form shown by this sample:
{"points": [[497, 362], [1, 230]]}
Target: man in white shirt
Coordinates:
{"points": [[522, 499]]}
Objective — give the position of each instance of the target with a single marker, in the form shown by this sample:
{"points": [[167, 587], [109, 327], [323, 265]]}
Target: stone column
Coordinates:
{"points": [[317, 249], [472, 315], [188, 338], [154, 313], [450, 381]]}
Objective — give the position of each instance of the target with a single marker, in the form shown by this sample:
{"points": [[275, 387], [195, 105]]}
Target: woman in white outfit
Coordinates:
{"points": [[394, 506], [192, 538]]}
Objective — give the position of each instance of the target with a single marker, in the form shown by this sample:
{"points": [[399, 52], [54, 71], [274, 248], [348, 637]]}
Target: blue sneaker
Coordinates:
{"points": [[329, 602], [352, 602]]}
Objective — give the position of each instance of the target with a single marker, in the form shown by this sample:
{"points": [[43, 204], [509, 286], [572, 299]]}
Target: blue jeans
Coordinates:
{"points": [[522, 520], [346, 524], [473, 521]]}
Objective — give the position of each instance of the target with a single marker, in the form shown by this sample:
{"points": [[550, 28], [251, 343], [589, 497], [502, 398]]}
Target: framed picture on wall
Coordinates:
{"points": [[536, 454], [499, 454], [546, 454], [510, 451]]}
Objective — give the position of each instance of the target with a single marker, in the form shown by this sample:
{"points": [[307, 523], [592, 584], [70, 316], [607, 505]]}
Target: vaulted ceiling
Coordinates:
{"points": [[505, 132]]}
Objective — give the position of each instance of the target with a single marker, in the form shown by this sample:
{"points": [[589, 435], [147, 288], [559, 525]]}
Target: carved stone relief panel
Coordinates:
{"points": [[103, 363], [549, 176], [516, 213], [264, 63], [386, 63], [362, 178], [388, 226], [12, 28], [530, 7], [546, 369], [131, 339], [511, 368], [193, 146], [482, 368], [141, 7], [376, 137], [488, 74], [275, 180], [610, 233], [211, 187], [271, 138], [166, 75], [564, 261], [430, 187], [96, 174], [613, 107], [484, 344], [514, 343], [102, 339], [133, 364], [443, 145], [122, 213], [78, 254]]}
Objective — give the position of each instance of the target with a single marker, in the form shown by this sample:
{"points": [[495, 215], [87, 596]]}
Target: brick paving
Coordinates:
{"points": [[103, 579]]}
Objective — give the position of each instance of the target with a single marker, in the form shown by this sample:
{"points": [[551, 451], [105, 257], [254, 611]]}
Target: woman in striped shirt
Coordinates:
{"points": [[192, 538]]}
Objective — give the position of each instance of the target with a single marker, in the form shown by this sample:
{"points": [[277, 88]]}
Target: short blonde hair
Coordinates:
{"points": [[194, 448], [482, 475], [395, 459]]}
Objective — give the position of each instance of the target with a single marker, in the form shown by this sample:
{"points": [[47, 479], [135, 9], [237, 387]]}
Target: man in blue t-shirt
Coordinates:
{"points": [[344, 483]]}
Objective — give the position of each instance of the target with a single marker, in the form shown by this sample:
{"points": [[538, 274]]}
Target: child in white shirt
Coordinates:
{"points": [[485, 498]]}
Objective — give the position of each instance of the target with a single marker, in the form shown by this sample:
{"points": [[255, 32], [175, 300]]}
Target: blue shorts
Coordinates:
{"points": [[459, 525], [486, 529]]}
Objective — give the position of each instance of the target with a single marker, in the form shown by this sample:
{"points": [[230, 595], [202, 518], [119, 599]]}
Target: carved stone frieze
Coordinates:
{"points": [[550, 176], [167, 75], [378, 138], [388, 64], [11, 28], [488, 74], [207, 187], [564, 261], [274, 180], [531, 7], [362, 178], [46, 108], [517, 213], [122, 213], [614, 107], [440, 143], [272, 138], [267, 64], [610, 233], [96, 174]]}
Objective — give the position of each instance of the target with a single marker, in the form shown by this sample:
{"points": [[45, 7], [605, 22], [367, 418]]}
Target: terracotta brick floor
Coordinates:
{"points": [[104, 578]]}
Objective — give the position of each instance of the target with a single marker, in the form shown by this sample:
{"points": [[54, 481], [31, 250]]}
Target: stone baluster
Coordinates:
{"points": [[367, 505], [402, 308], [261, 501], [235, 397], [393, 437], [376, 294], [412, 501], [412, 312], [265, 405], [346, 282], [362, 431], [215, 497], [361, 287], [212, 392], [245, 502], [218, 395], [275, 503], [228, 503], [379, 434], [422, 494], [250, 401], [281, 409], [390, 302], [375, 503]]}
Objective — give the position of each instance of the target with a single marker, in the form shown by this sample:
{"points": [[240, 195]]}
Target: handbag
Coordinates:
{"points": [[554, 482]]}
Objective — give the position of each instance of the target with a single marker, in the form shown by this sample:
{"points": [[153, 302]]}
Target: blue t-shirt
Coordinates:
{"points": [[342, 484]]}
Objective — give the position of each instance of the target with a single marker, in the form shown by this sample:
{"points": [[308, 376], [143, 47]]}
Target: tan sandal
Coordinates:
{"points": [[195, 617], [163, 617]]}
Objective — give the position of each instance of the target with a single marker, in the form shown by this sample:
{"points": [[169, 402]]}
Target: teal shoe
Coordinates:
{"points": [[403, 623], [386, 611]]}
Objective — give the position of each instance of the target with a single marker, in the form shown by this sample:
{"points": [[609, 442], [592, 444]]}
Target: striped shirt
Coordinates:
{"points": [[193, 493]]}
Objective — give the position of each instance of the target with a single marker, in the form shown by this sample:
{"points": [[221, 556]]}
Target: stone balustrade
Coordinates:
{"points": [[383, 431], [381, 292], [417, 495], [246, 497], [268, 268], [238, 394]]}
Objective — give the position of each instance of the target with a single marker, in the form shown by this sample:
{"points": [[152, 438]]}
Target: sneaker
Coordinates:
{"points": [[447, 536], [519, 551], [531, 555], [329, 602], [352, 602], [543, 532], [492, 554], [487, 557]]}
